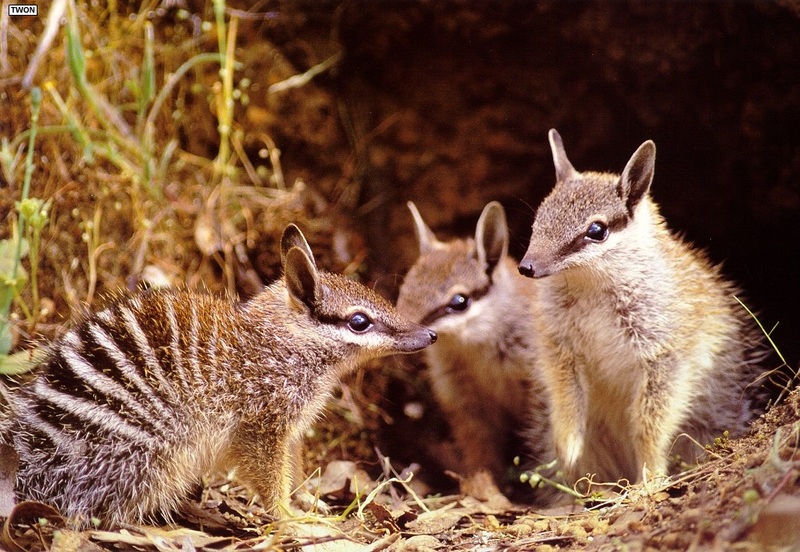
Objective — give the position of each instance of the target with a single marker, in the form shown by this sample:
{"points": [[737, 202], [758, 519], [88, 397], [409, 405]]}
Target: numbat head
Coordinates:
{"points": [[588, 214], [639, 337], [481, 368], [138, 401]]}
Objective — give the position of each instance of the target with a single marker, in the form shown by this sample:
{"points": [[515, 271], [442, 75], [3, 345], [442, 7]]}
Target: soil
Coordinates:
{"points": [[446, 104]]}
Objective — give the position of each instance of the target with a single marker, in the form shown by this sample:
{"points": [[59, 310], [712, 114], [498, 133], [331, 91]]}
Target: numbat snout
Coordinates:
{"points": [[639, 337], [135, 403]]}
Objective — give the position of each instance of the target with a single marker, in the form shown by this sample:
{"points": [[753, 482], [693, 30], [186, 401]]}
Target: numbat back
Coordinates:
{"points": [[643, 339], [481, 368], [138, 401]]}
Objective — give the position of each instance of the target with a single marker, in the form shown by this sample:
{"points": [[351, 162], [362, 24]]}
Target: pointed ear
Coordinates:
{"points": [[293, 237], [564, 169], [638, 175], [301, 277], [427, 240], [491, 235]]}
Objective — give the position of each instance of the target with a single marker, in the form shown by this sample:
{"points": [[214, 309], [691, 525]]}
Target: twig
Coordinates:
{"points": [[302, 79], [57, 9]]}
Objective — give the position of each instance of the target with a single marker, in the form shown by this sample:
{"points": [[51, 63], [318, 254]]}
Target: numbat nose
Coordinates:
{"points": [[433, 336], [526, 268]]}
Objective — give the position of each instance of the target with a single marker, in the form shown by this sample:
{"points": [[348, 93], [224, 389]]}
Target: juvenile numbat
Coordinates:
{"points": [[481, 368], [138, 401], [640, 338]]}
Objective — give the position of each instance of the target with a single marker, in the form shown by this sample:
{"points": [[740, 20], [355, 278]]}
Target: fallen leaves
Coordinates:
{"points": [[30, 526], [728, 500], [163, 539]]}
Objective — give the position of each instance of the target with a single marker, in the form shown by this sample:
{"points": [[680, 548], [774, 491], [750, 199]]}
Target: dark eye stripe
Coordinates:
{"points": [[441, 312], [579, 242]]}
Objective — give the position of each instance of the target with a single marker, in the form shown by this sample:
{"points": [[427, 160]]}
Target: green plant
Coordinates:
{"points": [[25, 238], [12, 281], [25, 241], [536, 479]]}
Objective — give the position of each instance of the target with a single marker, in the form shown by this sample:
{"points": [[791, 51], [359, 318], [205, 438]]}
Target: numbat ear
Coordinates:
{"points": [[564, 169], [425, 236], [638, 175], [491, 236], [301, 278], [293, 237], [299, 268]]}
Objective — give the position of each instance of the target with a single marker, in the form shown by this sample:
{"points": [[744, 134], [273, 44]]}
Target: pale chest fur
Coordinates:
{"points": [[587, 323], [621, 312], [480, 371], [620, 329], [488, 352]]}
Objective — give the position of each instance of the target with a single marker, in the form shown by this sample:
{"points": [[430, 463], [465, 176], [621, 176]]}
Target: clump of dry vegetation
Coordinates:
{"points": [[148, 144], [141, 165]]}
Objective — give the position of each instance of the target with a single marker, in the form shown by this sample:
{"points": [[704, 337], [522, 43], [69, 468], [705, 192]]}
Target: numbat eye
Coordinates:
{"points": [[458, 303], [359, 322], [597, 231]]}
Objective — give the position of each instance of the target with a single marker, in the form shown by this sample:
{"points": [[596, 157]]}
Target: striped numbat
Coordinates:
{"points": [[132, 406]]}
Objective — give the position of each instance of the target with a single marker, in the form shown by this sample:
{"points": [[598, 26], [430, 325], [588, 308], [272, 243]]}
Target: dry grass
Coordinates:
{"points": [[141, 169]]}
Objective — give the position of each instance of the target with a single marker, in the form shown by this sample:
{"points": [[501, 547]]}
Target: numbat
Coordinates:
{"points": [[481, 368], [639, 338], [138, 401]]}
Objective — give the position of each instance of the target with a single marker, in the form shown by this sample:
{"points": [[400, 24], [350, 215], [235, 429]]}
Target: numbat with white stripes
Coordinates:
{"points": [[138, 401]]}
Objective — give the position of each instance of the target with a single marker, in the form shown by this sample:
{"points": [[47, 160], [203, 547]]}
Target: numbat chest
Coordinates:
{"points": [[135, 403]]}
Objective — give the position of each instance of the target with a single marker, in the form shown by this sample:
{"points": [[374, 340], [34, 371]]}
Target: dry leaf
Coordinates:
{"points": [[324, 538], [436, 521], [394, 521], [67, 541], [418, 543], [206, 235], [162, 539], [27, 514], [336, 477]]}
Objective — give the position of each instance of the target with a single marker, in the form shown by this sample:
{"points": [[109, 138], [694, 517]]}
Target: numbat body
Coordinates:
{"points": [[138, 401], [481, 368], [640, 338]]}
